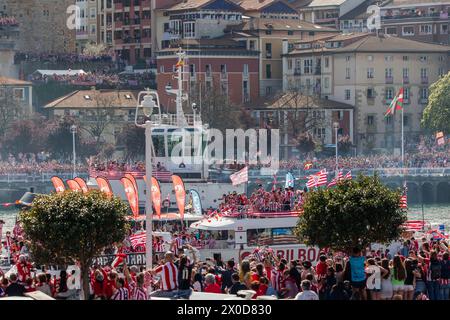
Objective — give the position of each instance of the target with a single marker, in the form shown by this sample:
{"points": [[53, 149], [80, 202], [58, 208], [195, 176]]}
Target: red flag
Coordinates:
{"points": [[348, 176], [73, 185], [156, 195], [180, 193], [58, 184], [131, 194], [82, 184], [104, 186]]}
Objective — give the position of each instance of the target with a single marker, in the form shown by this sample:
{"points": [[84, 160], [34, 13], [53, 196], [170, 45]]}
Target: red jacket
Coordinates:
{"points": [[213, 288]]}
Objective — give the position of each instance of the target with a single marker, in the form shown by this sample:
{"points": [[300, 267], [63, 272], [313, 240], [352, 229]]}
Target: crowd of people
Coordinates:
{"points": [[66, 58], [276, 200], [418, 270]]}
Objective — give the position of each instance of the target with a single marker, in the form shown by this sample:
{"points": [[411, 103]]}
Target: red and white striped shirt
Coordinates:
{"points": [[276, 278], [168, 273], [120, 294], [178, 244], [137, 293]]}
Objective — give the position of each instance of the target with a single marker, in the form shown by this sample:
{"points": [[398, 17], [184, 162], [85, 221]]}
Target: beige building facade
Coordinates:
{"points": [[367, 72]]}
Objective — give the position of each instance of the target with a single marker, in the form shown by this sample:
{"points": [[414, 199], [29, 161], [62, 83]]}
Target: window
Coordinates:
{"points": [[370, 93], [389, 121], [423, 58], [252, 45], [405, 120], [223, 70], [423, 92], [161, 69], [347, 94], [347, 73], [405, 58], [307, 66], [423, 73], [389, 94], [405, 93], [290, 32], [408, 31], [268, 71], [426, 29], [444, 28], [388, 73], [189, 29], [208, 70], [441, 58], [245, 91], [327, 62], [289, 64], [245, 69], [347, 58], [405, 73], [175, 27], [392, 31], [370, 58], [93, 12], [441, 72], [268, 91], [327, 83], [370, 73], [268, 50], [370, 120], [319, 132], [388, 58], [93, 28], [19, 93], [192, 70], [268, 31]]}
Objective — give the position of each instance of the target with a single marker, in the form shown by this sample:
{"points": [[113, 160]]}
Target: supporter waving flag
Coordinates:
{"points": [[317, 180]]}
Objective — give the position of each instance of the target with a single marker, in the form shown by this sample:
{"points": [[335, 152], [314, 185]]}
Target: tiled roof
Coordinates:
{"points": [[280, 24], [195, 4], [293, 100], [88, 99], [11, 81]]}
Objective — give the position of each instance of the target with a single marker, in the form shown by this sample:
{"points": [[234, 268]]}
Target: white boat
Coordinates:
{"points": [[251, 231], [189, 163]]}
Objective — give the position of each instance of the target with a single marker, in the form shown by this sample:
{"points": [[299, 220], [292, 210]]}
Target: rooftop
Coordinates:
{"points": [[279, 24], [294, 100], [257, 5], [206, 4], [96, 98], [11, 81]]}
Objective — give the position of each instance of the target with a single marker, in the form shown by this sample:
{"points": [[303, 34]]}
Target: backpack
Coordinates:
{"points": [[435, 270]]}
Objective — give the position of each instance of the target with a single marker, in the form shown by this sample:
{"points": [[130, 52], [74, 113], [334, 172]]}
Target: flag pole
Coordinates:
{"points": [[403, 142]]}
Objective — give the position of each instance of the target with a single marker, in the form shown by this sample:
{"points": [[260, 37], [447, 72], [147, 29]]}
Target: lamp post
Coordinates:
{"points": [[73, 130], [336, 127], [147, 103]]}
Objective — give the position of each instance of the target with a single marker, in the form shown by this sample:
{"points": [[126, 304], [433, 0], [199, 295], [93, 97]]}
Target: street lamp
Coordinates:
{"points": [[148, 101], [336, 127], [73, 130]]}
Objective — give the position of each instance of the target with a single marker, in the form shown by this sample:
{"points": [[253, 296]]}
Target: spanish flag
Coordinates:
{"points": [[307, 165], [180, 63]]}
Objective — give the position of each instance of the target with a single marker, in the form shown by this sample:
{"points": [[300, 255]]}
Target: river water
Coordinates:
{"points": [[434, 213]]}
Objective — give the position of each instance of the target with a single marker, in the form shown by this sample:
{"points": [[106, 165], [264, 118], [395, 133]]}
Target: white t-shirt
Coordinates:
{"points": [[374, 277], [307, 295]]}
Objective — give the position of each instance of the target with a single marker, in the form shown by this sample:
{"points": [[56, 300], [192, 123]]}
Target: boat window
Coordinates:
{"points": [[158, 145], [172, 142]]}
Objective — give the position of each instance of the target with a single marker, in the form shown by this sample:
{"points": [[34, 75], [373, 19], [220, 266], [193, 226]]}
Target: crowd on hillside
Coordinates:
{"points": [[35, 164], [67, 58]]}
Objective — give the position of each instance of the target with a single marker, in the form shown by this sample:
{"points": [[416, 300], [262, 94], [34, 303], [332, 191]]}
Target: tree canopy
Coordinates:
{"points": [[353, 213], [72, 226], [437, 112]]}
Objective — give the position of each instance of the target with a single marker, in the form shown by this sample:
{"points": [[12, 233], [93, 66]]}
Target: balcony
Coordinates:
{"points": [[424, 80], [268, 55], [405, 80], [389, 80], [404, 16], [297, 71]]}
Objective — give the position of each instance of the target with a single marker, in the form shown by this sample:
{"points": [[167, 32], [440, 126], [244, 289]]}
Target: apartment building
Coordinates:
{"points": [[324, 12], [125, 26], [16, 92], [87, 31], [366, 71], [42, 24]]}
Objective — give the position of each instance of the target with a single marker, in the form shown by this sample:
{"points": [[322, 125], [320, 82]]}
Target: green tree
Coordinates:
{"points": [[437, 112], [132, 140], [354, 213], [72, 226], [305, 142]]}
